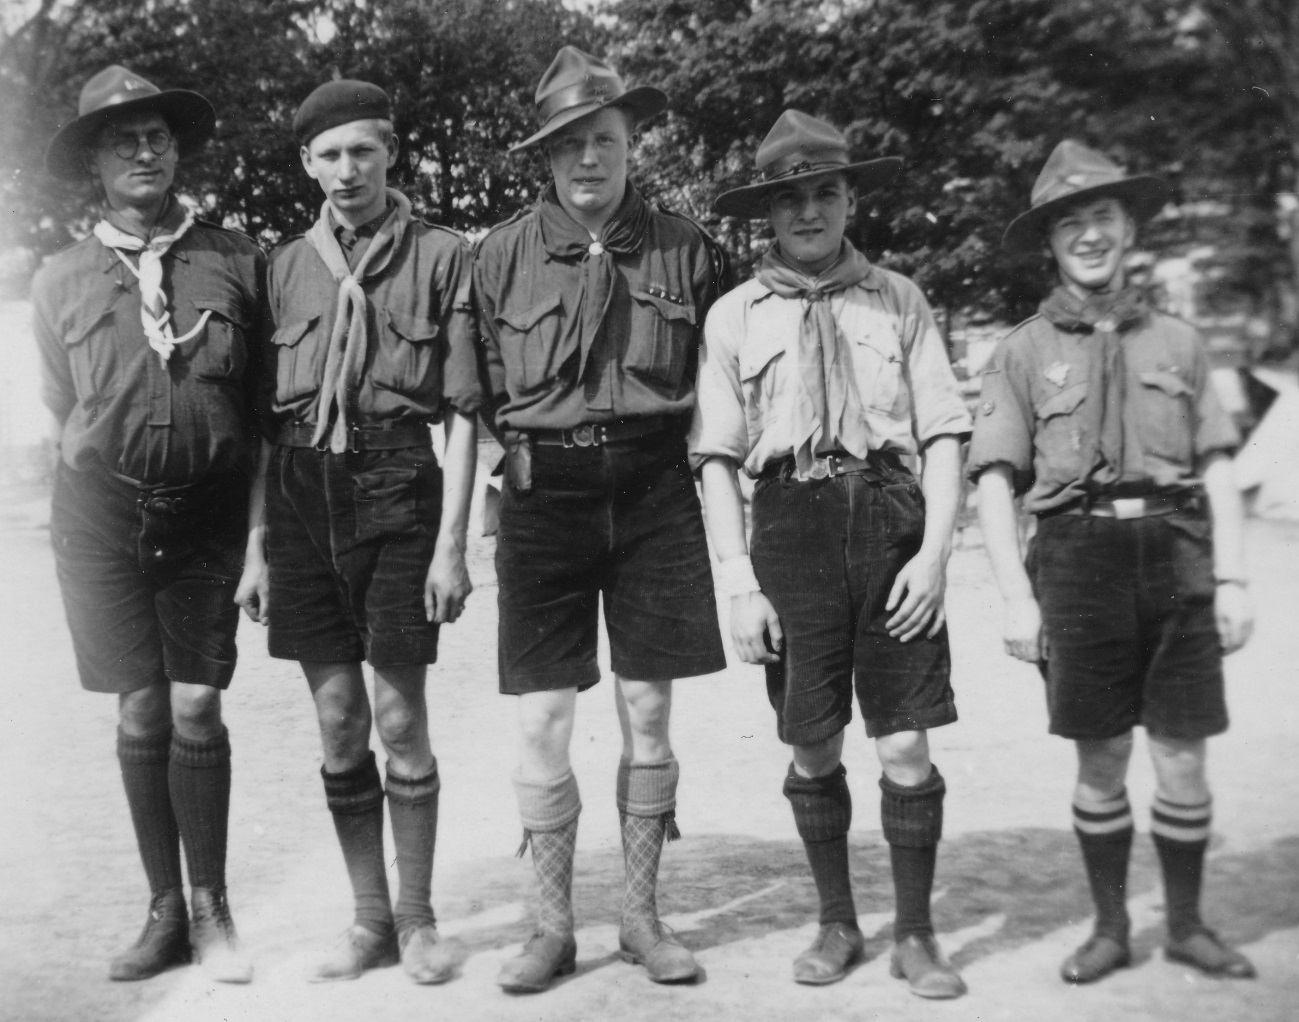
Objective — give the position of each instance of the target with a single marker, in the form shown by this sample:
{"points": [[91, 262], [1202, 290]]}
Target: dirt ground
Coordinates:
{"points": [[1011, 898]]}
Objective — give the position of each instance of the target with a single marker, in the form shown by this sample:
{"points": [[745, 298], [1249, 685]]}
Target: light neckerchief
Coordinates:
{"points": [[1111, 452], [825, 402], [154, 315], [349, 340]]}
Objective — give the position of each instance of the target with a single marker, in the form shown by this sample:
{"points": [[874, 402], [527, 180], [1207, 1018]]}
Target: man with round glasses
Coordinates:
{"points": [[147, 332]]}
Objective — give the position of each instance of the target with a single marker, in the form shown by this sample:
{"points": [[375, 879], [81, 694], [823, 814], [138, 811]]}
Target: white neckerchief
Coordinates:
{"points": [[153, 300]]}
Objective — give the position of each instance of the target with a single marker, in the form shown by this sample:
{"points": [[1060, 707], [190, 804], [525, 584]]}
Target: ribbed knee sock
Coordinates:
{"points": [[1104, 829], [823, 813], [647, 802], [145, 769], [355, 799], [1181, 835], [413, 810], [912, 820], [549, 811], [199, 779]]}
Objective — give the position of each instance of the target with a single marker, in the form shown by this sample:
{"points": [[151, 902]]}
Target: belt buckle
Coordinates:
{"points": [[820, 469], [1129, 507], [584, 435]]}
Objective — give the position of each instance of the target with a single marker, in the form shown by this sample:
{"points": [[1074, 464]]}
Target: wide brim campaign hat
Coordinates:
{"points": [[576, 85], [115, 92], [800, 146], [1073, 173]]}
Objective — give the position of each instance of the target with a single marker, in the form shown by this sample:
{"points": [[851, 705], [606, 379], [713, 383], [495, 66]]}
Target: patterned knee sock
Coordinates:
{"points": [[912, 820], [823, 813], [413, 810], [1181, 834], [355, 799], [199, 779], [144, 763], [549, 811], [1104, 829], [647, 802]]}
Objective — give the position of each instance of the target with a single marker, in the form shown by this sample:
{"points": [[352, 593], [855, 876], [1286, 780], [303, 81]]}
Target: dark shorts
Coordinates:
{"points": [[826, 553], [622, 520], [349, 538], [148, 589], [1127, 607]]}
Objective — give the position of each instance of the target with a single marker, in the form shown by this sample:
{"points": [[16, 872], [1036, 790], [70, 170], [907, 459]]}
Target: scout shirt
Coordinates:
{"points": [[420, 358], [748, 373], [538, 287], [122, 408], [1038, 390]]}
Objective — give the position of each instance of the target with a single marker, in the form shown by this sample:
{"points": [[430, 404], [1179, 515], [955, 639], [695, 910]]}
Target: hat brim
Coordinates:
{"points": [[1142, 195], [750, 201], [190, 117], [644, 101]]}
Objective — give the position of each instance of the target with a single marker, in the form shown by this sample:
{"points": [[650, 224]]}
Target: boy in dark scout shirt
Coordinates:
{"points": [[1100, 412], [816, 377], [364, 531], [590, 305], [148, 332]]}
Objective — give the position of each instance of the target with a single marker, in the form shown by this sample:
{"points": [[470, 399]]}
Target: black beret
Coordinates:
{"points": [[339, 102]]}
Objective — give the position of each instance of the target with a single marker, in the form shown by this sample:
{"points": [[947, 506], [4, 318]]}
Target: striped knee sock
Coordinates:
{"points": [[1104, 829], [1181, 835]]}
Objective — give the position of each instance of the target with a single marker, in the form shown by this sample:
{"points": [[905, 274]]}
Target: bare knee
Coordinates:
{"points": [[820, 758], [145, 712], [343, 714], [1103, 765], [1179, 769], [402, 722], [904, 757], [196, 711], [648, 716], [545, 730]]}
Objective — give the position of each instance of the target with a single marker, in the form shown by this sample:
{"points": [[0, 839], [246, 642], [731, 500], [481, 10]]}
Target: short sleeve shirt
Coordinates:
{"points": [[748, 371], [1035, 388]]}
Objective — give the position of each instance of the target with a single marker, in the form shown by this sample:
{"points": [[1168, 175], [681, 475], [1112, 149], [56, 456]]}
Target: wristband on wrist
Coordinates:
{"points": [[735, 577], [1243, 583]]}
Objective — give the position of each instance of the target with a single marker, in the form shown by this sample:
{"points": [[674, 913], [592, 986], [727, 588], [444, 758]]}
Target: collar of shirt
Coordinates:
{"points": [[349, 237], [873, 281]]}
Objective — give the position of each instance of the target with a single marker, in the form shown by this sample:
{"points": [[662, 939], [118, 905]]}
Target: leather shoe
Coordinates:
{"points": [[213, 938], [357, 950], [647, 943], [162, 943], [836, 947], [1100, 955], [1205, 950], [423, 955], [544, 957], [918, 960]]}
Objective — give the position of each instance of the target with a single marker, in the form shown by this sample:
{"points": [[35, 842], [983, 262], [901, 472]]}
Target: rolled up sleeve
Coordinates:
{"points": [[939, 409], [1003, 423], [718, 428]]}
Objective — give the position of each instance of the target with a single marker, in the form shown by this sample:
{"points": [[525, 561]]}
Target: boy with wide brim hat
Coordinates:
{"points": [[591, 304], [817, 378], [1100, 413], [357, 555], [149, 333]]}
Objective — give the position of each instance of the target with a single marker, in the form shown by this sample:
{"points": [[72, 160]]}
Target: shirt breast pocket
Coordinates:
{"points": [[1167, 422], [877, 368], [299, 358], [93, 353], [408, 345], [761, 356], [662, 330], [217, 353], [533, 343], [1059, 436]]}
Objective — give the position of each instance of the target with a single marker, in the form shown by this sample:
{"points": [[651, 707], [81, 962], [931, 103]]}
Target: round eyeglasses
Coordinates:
{"points": [[126, 145]]}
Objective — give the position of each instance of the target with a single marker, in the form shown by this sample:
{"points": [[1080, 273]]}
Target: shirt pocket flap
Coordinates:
{"points": [[291, 333], [1063, 403], [226, 308], [757, 352], [884, 343], [1170, 383], [665, 306], [415, 329], [85, 322], [524, 320]]}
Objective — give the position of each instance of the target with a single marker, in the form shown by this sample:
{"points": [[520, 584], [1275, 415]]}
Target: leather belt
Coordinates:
{"points": [[1135, 507], [880, 464], [597, 434], [381, 437]]}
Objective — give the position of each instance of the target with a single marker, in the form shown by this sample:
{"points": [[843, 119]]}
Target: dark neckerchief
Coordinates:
{"points": [[1112, 311]]}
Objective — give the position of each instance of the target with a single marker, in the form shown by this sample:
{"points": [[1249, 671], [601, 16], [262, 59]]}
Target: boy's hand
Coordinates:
{"points": [[1234, 614], [447, 586], [917, 598], [753, 620], [1021, 630]]}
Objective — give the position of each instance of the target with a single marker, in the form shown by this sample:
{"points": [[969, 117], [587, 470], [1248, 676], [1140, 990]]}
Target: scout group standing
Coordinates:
{"points": [[230, 434]]}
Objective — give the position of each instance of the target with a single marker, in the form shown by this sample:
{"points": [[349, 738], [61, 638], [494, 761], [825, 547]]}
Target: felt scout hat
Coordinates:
{"points": [[577, 84], [799, 146], [1074, 172], [339, 102], [115, 92]]}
